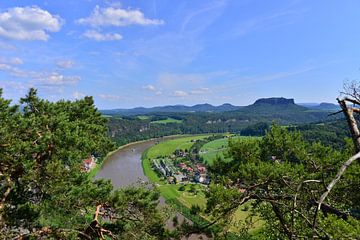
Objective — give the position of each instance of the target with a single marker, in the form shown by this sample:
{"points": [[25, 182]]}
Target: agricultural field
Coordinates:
{"points": [[217, 148], [168, 120], [168, 147]]}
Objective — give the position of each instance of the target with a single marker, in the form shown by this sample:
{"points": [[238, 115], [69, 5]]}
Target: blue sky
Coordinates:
{"points": [[160, 52]]}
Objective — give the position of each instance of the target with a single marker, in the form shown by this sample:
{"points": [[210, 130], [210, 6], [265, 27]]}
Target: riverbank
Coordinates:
{"points": [[98, 167]]}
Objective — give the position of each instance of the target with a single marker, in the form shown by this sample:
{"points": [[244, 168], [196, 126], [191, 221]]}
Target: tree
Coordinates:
{"points": [[44, 193], [283, 179]]}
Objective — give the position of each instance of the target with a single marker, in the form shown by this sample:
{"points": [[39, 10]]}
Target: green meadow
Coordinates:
{"points": [[168, 120]]}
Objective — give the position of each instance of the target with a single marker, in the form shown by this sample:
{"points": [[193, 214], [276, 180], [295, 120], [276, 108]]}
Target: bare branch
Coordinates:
{"points": [[333, 182], [354, 130]]}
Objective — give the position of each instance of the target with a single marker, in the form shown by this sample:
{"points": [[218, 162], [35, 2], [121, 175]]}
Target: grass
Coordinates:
{"points": [[168, 147], [168, 120], [171, 192], [142, 117], [93, 172], [241, 214], [217, 148]]}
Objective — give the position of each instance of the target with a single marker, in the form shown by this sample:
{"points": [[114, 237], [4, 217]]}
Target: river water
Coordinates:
{"points": [[123, 167]]}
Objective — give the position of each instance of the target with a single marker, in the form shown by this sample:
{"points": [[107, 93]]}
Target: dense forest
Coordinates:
{"points": [[253, 120]]}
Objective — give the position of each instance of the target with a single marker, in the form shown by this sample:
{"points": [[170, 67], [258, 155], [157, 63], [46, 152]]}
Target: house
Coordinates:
{"points": [[200, 168], [89, 163], [182, 165]]}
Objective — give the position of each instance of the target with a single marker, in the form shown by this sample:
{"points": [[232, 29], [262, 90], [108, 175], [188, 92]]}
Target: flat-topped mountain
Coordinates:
{"points": [[275, 101]]}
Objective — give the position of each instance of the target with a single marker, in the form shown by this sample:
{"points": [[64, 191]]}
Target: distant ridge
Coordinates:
{"points": [[172, 109], [260, 105], [322, 106]]}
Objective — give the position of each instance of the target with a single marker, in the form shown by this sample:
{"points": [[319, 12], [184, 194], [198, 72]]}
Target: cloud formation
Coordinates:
{"points": [[11, 61], [118, 17], [98, 36], [149, 88], [65, 63], [28, 23], [110, 97], [179, 93], [56, 79]]}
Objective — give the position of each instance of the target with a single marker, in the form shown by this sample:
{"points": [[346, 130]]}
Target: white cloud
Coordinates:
{"points": [[98, 36], [6, 46], [65, 63], [28, 23], [116, 16], [42, 78], [149, 88], [179, 93], [199, 91], [110, 97], [13, 85], [56, 78], [11, 61]]}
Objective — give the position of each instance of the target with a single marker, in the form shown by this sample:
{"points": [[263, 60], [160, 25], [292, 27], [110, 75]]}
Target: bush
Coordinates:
{"points": [[195, 209]]}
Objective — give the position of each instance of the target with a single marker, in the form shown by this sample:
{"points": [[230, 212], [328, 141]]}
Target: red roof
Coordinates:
{"points": [[88, 161]]}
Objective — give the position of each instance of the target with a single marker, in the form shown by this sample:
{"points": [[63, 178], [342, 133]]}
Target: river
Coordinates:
{"points": [[123, 167]]}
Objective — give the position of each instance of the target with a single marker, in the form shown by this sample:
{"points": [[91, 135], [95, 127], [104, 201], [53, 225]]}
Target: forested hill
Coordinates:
{"points": [[226, 107], [262, 113], [171, 109]]}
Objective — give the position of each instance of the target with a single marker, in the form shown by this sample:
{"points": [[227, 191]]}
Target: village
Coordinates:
{"points": [[181, 168]]}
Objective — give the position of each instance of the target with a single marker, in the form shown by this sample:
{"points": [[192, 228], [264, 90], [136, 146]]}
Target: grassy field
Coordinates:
{"points": [[168, 120], [217, 148], [141, 117], [168, 147], [171, 192]]}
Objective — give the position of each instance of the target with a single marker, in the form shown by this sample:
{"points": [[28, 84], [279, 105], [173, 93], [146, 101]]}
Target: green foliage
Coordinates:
{"points": [[195, 209], [43, 188], [284, 176]]}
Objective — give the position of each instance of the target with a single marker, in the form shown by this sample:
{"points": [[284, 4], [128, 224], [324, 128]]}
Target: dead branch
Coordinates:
{"points": [[95, 229], [349, 115], [332, 184], [335, 113]]}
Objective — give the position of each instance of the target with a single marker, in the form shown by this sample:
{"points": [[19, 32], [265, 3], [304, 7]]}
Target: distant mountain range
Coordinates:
{"points": [[321, 106], [260, 105], [172, 109]]}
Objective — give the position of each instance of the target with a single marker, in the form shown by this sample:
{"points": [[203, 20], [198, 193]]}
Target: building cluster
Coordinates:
{"points": [[184, 171]]}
